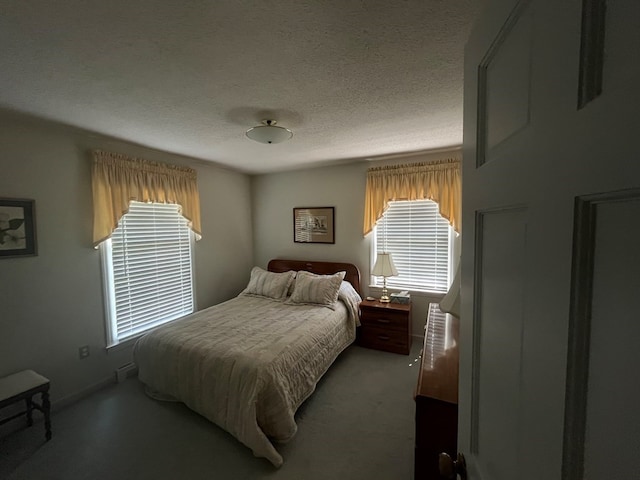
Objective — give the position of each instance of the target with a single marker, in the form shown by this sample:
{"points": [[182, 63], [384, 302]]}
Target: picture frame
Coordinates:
{"points": [[17, 228], [314, 225]]}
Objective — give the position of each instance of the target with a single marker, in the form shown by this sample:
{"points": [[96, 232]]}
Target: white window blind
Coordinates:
{"points": [[418, 239], [148, 267]]}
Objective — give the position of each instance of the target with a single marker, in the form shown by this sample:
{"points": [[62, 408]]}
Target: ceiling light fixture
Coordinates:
{"points": [[269, 133]]}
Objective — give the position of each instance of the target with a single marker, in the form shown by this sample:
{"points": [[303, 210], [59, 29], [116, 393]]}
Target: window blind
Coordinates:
{"points": [[150, 269], [418, 239]]}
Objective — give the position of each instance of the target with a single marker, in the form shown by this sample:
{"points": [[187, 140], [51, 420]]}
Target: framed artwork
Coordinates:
{"points": [[313, 225], [17, 228]]}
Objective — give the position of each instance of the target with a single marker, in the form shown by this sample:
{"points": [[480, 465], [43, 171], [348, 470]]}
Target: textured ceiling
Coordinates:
{"points": [[352, 78]]}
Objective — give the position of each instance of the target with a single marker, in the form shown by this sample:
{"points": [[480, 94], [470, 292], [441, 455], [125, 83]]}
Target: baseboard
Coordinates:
{"points": [[121, 373], [74, 397]]}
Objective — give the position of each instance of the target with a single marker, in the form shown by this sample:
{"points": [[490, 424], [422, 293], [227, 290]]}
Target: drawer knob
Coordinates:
{"points": [[383, 337], [384, 320]]}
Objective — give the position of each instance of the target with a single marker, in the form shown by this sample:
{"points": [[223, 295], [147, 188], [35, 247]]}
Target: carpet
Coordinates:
{"points": [[358, 424]]}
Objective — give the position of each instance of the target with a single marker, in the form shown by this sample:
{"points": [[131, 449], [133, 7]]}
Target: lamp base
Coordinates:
{"points": [[384, 298]]}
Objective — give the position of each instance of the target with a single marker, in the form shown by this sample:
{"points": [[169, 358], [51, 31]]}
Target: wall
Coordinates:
{"points": [[343, 187], [51, 304]]}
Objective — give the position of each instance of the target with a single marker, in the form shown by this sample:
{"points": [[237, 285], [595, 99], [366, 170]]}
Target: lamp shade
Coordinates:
{"points": [[384, 266], [269, 133], [450, 303]]}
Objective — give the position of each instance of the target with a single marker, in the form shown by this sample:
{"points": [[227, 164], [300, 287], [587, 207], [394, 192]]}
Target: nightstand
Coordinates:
{"points": [[385, 326]]}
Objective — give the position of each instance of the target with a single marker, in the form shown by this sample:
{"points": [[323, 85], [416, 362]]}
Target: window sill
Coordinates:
{"points": [[123, 344], [413, 293], [128, 342]]}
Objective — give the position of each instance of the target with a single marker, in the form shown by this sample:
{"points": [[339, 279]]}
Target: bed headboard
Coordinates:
{"points": [[321, 268]]}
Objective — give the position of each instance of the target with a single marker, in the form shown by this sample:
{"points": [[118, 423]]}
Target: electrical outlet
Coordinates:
{"points": [[83, 351]]}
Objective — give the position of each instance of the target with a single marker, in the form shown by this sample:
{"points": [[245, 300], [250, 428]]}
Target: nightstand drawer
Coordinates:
{"points": [[385, 339], [382, 318]]}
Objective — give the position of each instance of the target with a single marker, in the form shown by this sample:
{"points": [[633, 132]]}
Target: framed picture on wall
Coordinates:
{"points": [[313, 225], [17, 228]]}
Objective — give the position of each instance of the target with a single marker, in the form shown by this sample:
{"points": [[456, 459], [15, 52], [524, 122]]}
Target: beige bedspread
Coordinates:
{"points": [[247, 364]]}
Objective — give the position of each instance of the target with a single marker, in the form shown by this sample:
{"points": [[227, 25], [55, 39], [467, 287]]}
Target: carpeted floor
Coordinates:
{"points": [[357, 425]]}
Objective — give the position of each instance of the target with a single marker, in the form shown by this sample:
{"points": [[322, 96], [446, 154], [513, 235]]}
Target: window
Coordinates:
{"points": [[147, 270], [419, 240]]}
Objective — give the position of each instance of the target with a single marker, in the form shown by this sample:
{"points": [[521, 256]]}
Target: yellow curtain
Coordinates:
{"points": [[117, 179], [438, 181]]}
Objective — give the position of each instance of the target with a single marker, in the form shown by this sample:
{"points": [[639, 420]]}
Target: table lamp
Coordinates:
{"points": [[384, 268]]}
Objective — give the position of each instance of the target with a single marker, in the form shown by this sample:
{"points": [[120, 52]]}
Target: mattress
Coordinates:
{"points": [[247, 364]]}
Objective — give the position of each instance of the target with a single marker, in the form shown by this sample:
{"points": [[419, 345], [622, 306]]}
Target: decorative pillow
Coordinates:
{"points": [[351, 298], [269, 284], [316, 289], [292, 286]]}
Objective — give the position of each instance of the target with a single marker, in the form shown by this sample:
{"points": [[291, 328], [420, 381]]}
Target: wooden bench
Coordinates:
{"points": [[23, 386]]}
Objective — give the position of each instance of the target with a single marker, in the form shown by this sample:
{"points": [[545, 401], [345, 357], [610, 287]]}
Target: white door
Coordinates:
{"points": [[550, 319]]}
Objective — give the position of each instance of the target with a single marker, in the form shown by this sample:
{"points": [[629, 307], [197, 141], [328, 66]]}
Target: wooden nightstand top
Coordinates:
{"points": [[400, 307]]}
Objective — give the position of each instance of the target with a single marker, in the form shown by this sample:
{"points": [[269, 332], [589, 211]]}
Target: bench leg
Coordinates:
{"points": [[46, 409], [29, 402]]}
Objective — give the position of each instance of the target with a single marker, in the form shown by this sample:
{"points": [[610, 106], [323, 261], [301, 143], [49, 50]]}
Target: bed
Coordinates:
{"points": [[247, 364]]}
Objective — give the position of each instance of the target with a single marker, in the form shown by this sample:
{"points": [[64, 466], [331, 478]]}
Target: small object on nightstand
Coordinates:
{"points": [[371, 299], [402, 297]]}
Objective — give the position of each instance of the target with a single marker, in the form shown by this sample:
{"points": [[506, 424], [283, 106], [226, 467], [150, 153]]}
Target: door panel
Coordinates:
{"points": [[498, 332], [538, 399], [612, 439], [504, 85], [602, 437]]}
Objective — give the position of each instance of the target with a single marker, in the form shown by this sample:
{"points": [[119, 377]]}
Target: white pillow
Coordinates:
{"points": [[348, 295], [316, 289], [269, 284]]}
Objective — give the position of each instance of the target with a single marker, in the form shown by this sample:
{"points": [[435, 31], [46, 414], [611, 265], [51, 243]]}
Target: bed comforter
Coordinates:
{"points": [[247, 364]]}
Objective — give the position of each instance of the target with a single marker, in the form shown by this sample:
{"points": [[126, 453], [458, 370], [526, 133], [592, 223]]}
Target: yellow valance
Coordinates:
{"points": [[117, 180], [438, 181]]}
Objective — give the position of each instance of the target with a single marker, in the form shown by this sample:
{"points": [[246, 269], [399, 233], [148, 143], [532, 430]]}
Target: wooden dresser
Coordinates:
{"points": [[437, 394], [385, 326]]}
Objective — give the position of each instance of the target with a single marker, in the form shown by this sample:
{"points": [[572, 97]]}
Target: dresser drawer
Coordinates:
{"points": [[382, 338], [391, 320]]}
